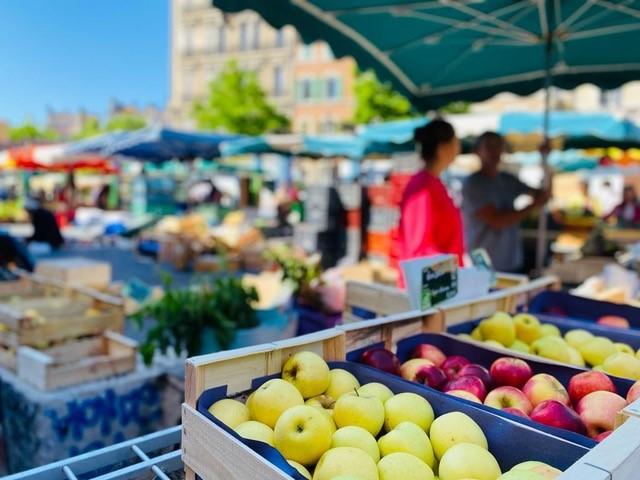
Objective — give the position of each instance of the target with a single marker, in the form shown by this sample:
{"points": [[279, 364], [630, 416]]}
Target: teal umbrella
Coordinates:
{"points": [[435, 52]]}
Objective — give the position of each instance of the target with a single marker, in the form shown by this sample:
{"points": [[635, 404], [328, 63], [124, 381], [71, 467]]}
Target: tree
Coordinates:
{"points": [[377, 101], [456, 107], [29, 132], [237, 103], [90, 128], [125, 121]]}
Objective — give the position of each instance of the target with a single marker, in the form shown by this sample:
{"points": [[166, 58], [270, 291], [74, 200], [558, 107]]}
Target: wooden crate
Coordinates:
{"points": [[77, 361], [76, 271], [386, 300], [49, 314], [577, 271], [212, 454]]}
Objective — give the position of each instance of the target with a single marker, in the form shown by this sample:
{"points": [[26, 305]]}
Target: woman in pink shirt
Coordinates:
{"points": [[430, 223]]}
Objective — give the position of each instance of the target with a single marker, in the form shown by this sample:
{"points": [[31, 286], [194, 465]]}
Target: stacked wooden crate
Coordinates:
{"points": [[54, 335], [351, 198]]}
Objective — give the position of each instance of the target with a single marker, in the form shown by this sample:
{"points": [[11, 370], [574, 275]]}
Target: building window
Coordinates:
{"points": [[305, 52], [188, 84], [244, 36], [334, 88], [280, 38], [328, 126], [305, 89], [278, 81], [328, 53], [256, 35], [319, 89], [222, 39], [188, 41]]}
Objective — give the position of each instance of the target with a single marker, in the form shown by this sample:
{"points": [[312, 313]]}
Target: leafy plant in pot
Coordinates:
{"points": [[182, 316]]}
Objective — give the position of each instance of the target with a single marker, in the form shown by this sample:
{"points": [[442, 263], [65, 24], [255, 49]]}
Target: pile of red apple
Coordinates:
{"points": [[587, 406]]}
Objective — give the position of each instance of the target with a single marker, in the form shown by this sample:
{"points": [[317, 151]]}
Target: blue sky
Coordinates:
{"points": [[69, 54]]}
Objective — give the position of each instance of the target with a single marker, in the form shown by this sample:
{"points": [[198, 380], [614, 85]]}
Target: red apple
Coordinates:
{"points": [[555, 414], [613, 321], [430, 352], [464, 394], [508, 397], [453, 364], [543, 387], [382, 359], [431, 376], [634, 393], [586, 382], [598, 411], [515, 411], [468, 383], [602, 436], [510, 371], [409, 370], [479, 371]]}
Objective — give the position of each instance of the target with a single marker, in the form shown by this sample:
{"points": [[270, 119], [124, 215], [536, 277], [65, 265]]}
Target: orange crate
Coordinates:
{"points": [[378, 243]]}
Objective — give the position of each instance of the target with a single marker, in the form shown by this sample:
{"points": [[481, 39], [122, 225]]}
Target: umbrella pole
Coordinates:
{"points": [[541, 248]]}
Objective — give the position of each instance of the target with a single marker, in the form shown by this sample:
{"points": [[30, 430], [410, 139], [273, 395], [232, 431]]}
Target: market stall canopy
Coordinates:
{"points": [[580, 130], [435, 52], [160, 144], [278, 144], [52, 158]]}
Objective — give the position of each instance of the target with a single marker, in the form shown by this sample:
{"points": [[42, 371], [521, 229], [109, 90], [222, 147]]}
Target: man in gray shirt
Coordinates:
{"points": [[490, 218]]}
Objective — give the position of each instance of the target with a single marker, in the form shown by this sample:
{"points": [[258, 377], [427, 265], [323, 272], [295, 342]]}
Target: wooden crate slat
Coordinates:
{"points": [[232, 459], [377, 298], [76, 349]]}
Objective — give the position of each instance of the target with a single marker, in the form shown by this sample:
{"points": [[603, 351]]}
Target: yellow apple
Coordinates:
{"points": [[453, 428], [624, 348], [271, 399], [302, 470], [356, 437], [498, 327], [549, 330], [638, 354], [544, 471], [622, 365], [468, 460], [575, 358], [527, 327], [308, 372], [346, 461], [303, 434], [465, 336], [323, 403], [375, 389], [255, 431], [408, 407], [230, 412], [476, 334], [577, 337], [493, 343], [597, 350], [551, 347], [403, 466], [408, 438], [354, 410], [341, 382], [519, 346]]}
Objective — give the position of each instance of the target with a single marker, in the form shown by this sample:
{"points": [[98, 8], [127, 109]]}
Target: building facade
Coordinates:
{"points": [[203, 40]]}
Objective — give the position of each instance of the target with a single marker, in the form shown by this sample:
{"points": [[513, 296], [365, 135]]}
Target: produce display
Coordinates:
{"points": [[330, 427], [587, 402], [578, 346]]}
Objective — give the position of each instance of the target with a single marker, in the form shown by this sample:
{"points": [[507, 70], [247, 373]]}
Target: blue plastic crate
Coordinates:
{"points": [[484, 357], [510, 442], [561, 304]]}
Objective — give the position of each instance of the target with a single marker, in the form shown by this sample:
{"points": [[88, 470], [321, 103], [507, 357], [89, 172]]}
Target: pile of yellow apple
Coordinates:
{"points": [[524, 333], [329, 427]]}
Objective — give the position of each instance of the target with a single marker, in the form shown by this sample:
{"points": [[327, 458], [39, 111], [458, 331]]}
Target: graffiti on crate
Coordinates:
{"points": [[108, 413]]}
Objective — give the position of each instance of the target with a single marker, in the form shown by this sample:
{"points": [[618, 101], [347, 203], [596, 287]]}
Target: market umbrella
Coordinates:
{"points": [[435, 52], [161, 144]]}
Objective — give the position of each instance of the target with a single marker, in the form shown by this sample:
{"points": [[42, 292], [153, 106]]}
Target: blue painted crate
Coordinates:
{"points": [[561, 304], [509, 441]]}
